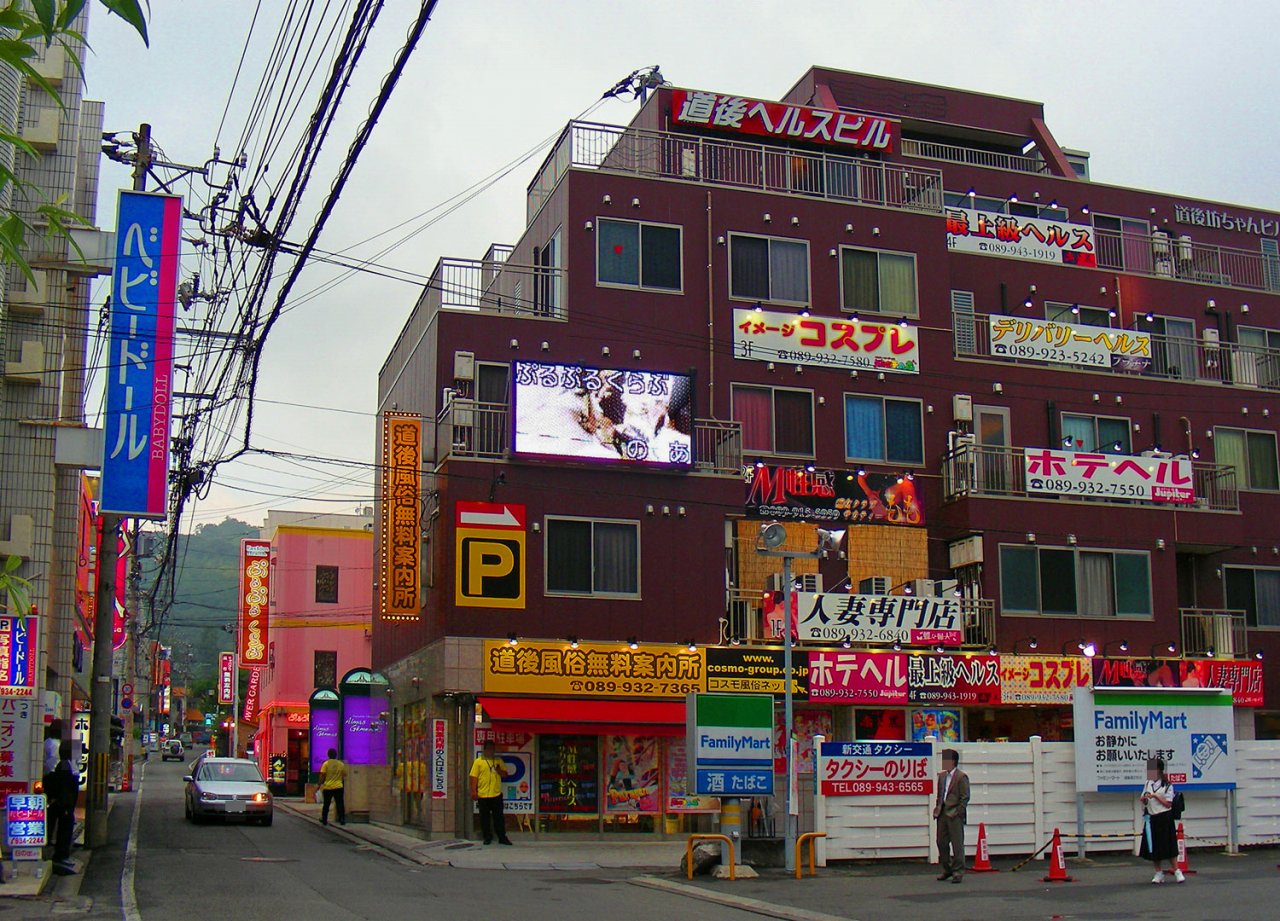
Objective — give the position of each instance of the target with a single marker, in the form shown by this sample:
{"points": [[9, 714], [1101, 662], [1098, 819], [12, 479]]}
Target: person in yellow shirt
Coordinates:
{"points": [[333, 777], [487, 772]]}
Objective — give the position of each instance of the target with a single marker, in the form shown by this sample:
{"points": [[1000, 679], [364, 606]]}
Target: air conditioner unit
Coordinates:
{"points": [[689, 164], [1157, 454], [800, 582], [1185, 252], [957, 441], [1211, 337], [923, 588], [1160, 243], [464, 366], [810, 582], [946, 588], [876, 585], [962, 407]]}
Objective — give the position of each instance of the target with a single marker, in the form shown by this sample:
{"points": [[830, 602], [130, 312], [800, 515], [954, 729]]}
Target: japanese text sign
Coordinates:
{"points": [[730, 737], [15, 743], [796, 494], [756, 117], [858, 677], [255, 593], [906, 619], [1068, 343], [755, 670], [401, 532], [250, 712], [25, 820], [1017, 237], [1242, 677], [139, 383], [1225, 220], [439, 759], [825, 342], [944, 679], [875, 768], [1075, 473], [1043, 679], [17, 655], [592, 670], [226, 677], [1118, 729]]}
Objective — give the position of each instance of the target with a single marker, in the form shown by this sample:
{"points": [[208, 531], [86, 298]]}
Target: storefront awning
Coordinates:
{"points": [[585, 717]]}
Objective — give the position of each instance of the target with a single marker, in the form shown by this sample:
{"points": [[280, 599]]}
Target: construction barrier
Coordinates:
{"points": [[1057, 862], [810, 838], [982, 859], [1182, 853]]}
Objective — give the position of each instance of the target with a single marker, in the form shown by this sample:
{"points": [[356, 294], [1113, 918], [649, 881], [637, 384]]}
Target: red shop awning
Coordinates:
{"points": [[585, 717]]}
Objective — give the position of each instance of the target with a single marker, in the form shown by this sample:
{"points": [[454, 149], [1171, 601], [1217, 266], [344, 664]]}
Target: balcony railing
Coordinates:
{"points": [[472, 429], [744, 619], [1163, 256], [972, 156], [1223, 634], [990, 470], [1176, 358], [496, 286], [667, 155]]}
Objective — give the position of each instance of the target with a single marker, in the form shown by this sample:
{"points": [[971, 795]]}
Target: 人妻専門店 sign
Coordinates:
{"points": [[875, 768], [1075, 473], [1242, 677], [901, 678], [399, 584], [1043, 679], [756, 670], [796, 494], [592, 670], [490, 546], [1118, 729], [255, 589], [1016, 237], [825, 342], [907, 619], [759, 118], [1057, 343]]}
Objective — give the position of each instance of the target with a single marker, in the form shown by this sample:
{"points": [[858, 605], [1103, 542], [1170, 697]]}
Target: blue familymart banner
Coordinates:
{"points": [[1118, 729], [139, 385]]}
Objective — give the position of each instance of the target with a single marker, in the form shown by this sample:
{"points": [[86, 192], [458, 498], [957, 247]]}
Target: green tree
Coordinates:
{"points": [[16, 590]]}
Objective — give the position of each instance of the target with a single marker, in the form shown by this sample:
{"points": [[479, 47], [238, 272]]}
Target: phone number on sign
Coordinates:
{"points": [[874, 787], [666, 688], [1046, 353], [1091, 488]]}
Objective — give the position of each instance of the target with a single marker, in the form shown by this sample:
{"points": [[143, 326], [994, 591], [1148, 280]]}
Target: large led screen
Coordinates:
{"points": [[606, 414]]}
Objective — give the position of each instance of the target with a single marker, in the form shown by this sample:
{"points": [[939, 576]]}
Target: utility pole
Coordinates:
{"points": [[108, 554]]}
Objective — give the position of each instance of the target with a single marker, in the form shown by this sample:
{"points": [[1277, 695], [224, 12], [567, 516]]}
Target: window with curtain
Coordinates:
{"points": [[585, 557], [874, 281], [768, 269], [1065, 581], [1252, 453], [639, 255], [883, 429], [774, 420], [1096, 434], [1256, 592], [1077, 314]]}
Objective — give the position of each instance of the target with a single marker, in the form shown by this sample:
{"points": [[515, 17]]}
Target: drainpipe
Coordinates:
{"points": [[711, 321]]}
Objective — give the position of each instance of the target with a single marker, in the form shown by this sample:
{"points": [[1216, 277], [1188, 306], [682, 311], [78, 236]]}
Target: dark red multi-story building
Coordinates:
{"points": [[1037, 408]]}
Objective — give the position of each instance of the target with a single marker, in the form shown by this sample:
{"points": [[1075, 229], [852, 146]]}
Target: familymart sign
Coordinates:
{"points": [[731, 740]]}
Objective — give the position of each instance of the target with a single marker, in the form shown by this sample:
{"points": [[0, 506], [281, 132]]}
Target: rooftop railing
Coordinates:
{"points": [[972, 156]]}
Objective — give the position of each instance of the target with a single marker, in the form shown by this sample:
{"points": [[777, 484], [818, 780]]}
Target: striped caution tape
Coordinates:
{"points": [[1133, 834]]}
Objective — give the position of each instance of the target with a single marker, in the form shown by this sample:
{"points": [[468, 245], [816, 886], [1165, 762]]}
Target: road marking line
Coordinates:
{"points": [[128, 897]]}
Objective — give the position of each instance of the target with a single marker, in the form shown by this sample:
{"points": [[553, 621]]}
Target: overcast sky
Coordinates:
{"points": [[1172, 96]]}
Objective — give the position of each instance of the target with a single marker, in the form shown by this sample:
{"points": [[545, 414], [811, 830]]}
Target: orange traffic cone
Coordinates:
{"points": [[982, 860], [1182, 853], [1057, 863]]}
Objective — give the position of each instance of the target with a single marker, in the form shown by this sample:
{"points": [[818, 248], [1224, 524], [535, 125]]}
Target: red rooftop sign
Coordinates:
{"points": [[740, 115]]}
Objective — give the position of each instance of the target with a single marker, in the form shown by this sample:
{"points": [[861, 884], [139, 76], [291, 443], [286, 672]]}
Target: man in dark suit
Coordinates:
{"points": [[950, 810]]}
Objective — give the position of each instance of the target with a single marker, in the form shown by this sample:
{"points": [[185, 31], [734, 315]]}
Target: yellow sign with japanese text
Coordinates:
{"points": [[593, 670], [1043, 679]]}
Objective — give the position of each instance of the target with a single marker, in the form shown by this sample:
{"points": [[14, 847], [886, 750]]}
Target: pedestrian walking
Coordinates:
{"points": [[61, 789], [1159, 834], [333, 780], [487, 772], [52, 740], [951, 812]]}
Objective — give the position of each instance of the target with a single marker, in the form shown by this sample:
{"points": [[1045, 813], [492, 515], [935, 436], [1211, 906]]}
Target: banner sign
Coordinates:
{"points": [[1242, 677], [1117, 730], [633, 783], [900, 678], [516, 751], [731, 739], [364, 730], [251, 695], [139, 385], [1043, 679], [490, 553], [226, 677], [835, 496], [875, 768], [1072, 473], [567, 781], [942, 725], [1068, 343], [255, 593], [884, 619], [680, 795], [400, 476], [805, 724], [439, 759], [1036, 239], [17, 655], [324, 731], [15, 744], [592, 670], [758, 118], [825, 342], [25, 820], [954, 680], [756, 670]]}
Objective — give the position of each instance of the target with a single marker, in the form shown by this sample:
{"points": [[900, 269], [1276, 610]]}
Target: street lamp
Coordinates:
{"points": [[771, 537]]}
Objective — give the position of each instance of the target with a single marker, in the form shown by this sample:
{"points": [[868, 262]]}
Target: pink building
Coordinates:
{"points": [[319, 628]]}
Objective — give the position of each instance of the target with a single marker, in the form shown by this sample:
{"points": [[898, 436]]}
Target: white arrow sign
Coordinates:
{"points": [[502, 519]]}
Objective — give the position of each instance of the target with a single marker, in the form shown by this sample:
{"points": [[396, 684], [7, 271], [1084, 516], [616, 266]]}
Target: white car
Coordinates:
{"points": [[227, 787], [172, 751]]}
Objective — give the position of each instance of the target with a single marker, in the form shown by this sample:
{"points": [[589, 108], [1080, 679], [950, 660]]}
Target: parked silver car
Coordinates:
{"points": [[227, 787]]}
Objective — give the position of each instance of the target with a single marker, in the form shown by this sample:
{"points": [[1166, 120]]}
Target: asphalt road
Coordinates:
{"points": [[296, 870]]}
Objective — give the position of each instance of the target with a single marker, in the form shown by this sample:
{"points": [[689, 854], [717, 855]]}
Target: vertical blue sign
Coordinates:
{"points": [[135, 457], [15, 657]]}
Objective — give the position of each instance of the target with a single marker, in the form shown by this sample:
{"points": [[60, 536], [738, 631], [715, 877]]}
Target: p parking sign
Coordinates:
{"points": [[490, 551]]}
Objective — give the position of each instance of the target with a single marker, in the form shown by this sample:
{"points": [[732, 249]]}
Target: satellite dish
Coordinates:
{"points": [[773, 535]]}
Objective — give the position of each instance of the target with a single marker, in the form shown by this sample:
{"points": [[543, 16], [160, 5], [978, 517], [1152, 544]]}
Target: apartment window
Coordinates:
{"points": [[1252, 453], [1257, 361], [1090, 434], [768, 269], [588, 557], [775, 420], [326, 585], [1076, 582], [1256, 591], [1079, 314], [638, 255], [876, 281], [888, 430], [546, 261], [324, 671]]}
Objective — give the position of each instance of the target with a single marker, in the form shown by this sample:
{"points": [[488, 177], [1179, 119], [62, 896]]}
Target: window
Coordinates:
{"points": [[1257, 361], [878, 282], [774, 420], [1256, 592], [326, 585], [587, 557], [1079, 314], [324, 671], [768, 269], [638, 255], [546, 261], [1003, 206], [1252, 453], [1123, 243], [885, 429], [1075, 582], [1107, 434]]}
